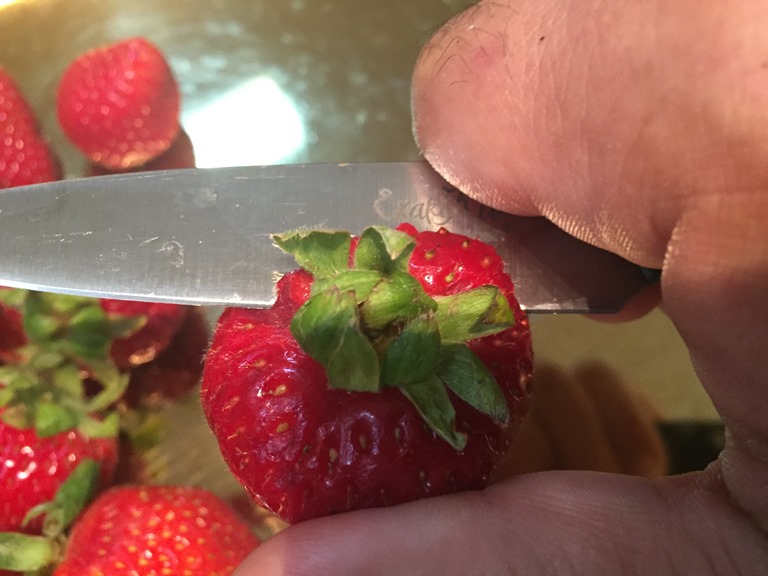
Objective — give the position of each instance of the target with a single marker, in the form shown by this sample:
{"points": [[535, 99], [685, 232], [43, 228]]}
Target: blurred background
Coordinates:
{"points": [[266, 82]]}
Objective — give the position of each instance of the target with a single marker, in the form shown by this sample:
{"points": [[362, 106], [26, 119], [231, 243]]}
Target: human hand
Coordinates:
{"points": [[641, 127], [587, 418]]}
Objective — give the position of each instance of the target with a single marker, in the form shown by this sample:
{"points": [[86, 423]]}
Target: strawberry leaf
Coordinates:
{"points": [[40, 327], [72, 497], [355, 365], [124, 326], [322, 253], [6, 395], [64, 304], [68, 379], [396, 298], [14, 297], [15, 418], [106, 427], [433, 403], [361, 282], [384, 250], [465, 374], [24, 553], [51, 419], [44, 360], [87, 334], [412, 356], [13, 378], [113, 382], [327, 328], [472, 314]]}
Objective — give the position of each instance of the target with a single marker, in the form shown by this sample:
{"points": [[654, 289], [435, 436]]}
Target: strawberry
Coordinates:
{"points": [[133, 333], [181, 154], [159, 323], [36, 465], [119, 104], [51, 417], [156, 530], [175, 371], [25, 157], [392, 367], [37, 553], [11, 332]]}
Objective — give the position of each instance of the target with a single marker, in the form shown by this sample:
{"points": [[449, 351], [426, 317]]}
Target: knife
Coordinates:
{"points": [[202, 236]]}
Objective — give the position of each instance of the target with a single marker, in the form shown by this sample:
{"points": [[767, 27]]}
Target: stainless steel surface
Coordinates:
{"points": [[263, 81], [203, 236]]}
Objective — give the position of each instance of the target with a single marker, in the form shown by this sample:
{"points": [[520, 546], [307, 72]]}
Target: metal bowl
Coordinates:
{"points": [[262, 81]]}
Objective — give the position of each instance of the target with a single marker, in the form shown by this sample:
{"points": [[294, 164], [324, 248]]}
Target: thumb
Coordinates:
{"points": [[606, 117]]}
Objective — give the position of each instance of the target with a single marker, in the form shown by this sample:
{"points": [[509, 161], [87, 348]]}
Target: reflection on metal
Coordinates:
{"points": [[254, 123]]}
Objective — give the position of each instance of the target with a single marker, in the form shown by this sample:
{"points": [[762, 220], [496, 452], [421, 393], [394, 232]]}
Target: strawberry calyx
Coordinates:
{"points": [[371, 324], [63, 377], [26, 554], [31, 554]]}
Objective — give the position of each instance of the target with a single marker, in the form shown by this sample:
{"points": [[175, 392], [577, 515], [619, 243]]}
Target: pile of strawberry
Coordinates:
{"points": [[83, 380]]}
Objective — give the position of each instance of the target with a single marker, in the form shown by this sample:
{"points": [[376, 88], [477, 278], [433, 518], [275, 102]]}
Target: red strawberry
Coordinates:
{"points": [[50, 420], [34, 467], [175, 371], [181, 154], [160, 323], [119, 104], [133, 333], [11, 332], [157, 530], [371, 409], [25, 157]]}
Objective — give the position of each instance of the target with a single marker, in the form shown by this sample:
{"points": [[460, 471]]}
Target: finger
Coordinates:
{"points": [[546, 523], [628, 421], [531, 450], [570, 420], [646, 300], [617, 122], [587, 419], [604, 116]]}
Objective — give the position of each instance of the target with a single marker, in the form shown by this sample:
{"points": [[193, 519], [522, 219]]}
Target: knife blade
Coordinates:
{"points": [[202, 236]]}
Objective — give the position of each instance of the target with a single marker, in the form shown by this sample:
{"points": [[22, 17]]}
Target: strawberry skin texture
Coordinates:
{"points": [[119, 104], [162, 321], [157, 530], [181, 154], [11, 332], [33, 469], [175, 371], [25, 157], [304, 450]]}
